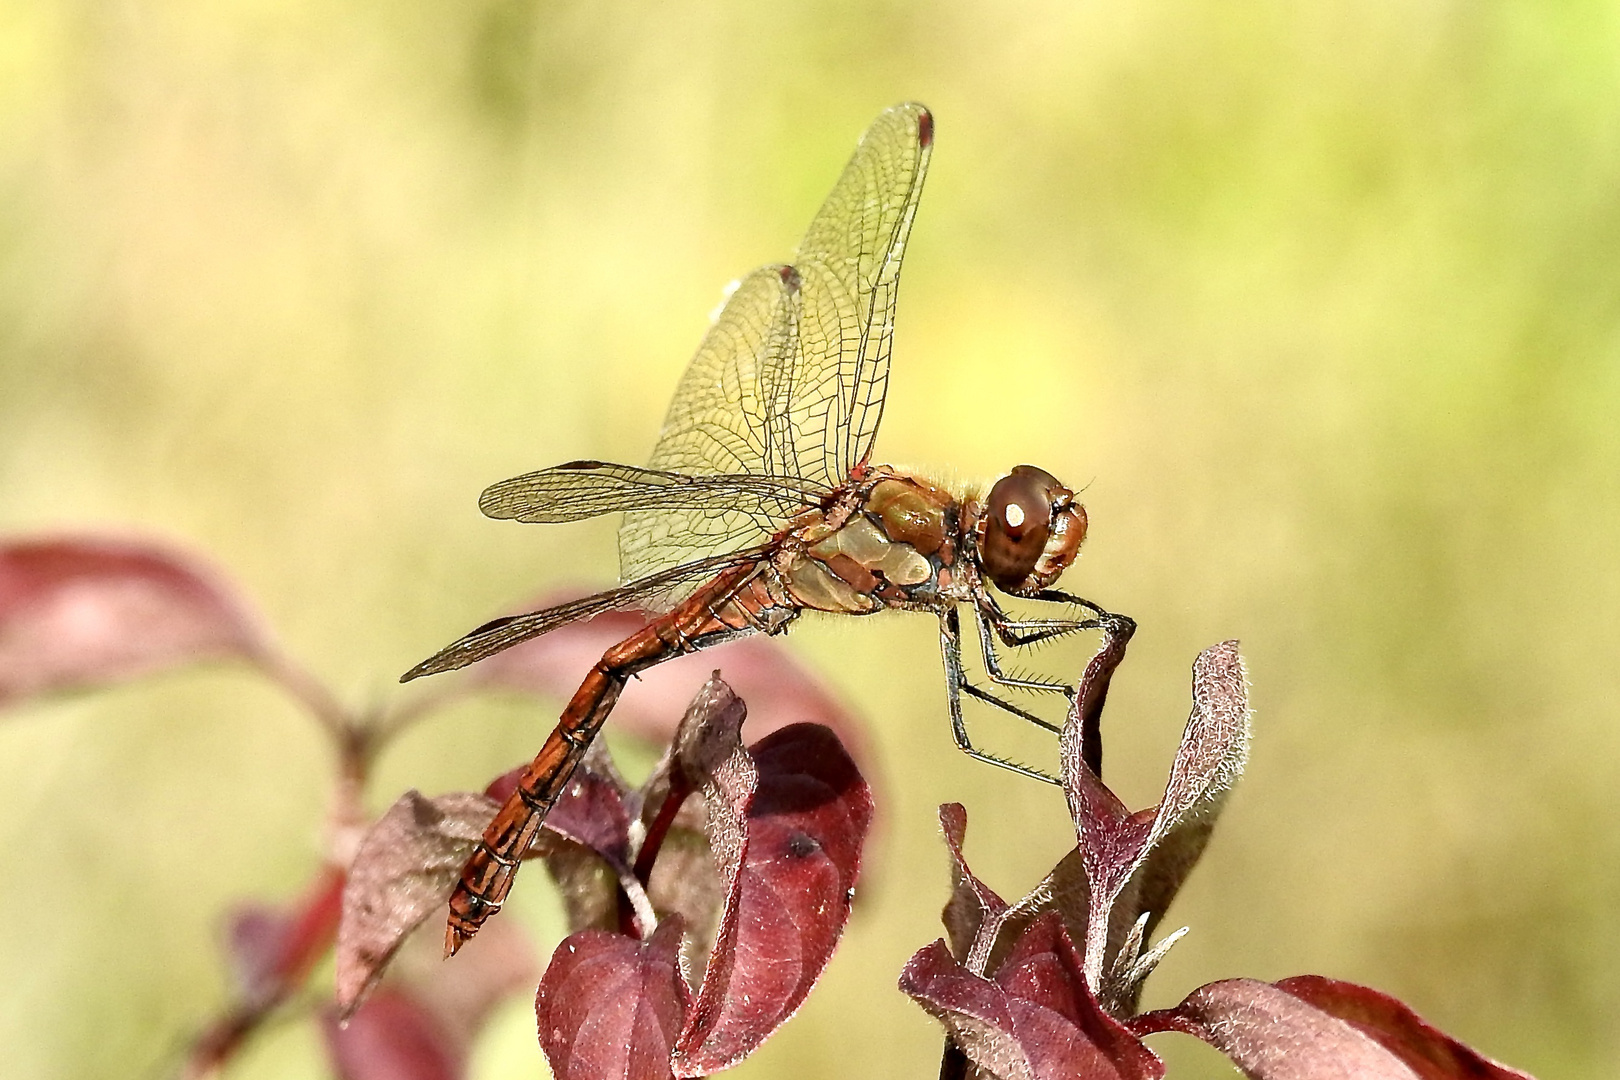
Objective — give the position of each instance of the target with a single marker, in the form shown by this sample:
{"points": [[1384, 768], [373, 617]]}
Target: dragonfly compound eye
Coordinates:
{"points": [[1017, 520], [1030, 531]]}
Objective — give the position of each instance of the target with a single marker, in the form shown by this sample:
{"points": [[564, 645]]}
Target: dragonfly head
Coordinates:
{"points": [[1029, 531]]}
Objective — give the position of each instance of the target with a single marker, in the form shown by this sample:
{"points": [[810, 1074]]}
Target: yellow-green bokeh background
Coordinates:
{"points": [[1322, 301]]}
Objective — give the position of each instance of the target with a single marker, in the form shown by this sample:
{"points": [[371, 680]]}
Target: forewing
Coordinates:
{"points": [[582, 489], [648, 592], [789, 381], [718, 425], [830, 397]]}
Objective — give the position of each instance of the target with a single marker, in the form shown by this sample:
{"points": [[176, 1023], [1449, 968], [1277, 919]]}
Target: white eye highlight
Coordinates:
{"points": [[1014, 515]]}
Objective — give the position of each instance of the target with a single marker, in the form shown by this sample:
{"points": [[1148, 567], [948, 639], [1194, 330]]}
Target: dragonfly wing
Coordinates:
{"points": [[788, 384], [582, 489], [828, 394], [501, 634], [718, 424]]}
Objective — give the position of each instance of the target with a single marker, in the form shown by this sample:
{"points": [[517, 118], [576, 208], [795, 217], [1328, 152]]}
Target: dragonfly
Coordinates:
{"points": [[761, 501]]}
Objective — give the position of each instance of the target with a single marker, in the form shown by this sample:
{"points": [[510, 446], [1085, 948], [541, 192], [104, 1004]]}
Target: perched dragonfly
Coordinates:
{"points": [[762, 501]]}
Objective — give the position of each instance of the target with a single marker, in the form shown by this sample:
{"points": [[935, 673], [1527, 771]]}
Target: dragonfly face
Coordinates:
{"points": [[1029, 531]]}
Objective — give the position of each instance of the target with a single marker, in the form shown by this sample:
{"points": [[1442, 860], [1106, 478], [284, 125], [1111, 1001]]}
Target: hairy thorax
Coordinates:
{"points": [[893, 541]]}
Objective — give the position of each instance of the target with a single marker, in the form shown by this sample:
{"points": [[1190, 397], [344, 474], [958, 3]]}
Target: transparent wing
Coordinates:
{"points": [[719, 423], [830, 400], [789, 382], [501, 634], [582, 489]]}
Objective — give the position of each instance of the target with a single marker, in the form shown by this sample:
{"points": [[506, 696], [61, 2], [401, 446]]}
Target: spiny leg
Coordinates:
{"points": [[1058, 596], [1092, 691], [950, 640], [1006, 706], [992, 662], [1018, 632]]}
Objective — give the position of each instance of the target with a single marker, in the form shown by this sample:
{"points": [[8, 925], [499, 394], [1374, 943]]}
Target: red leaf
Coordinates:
{"points": [[81, 612], [273, 949], [461, 994], [391, 1037], [974, 912], [1425, 1049], [709, 732], [789, 899], [407, 864], [610, 1006], [691, 849], [705, 753], [254, 943], [1137, 862], [1309, 1028], [979, 925], [779, 692], [1036, 1019]]}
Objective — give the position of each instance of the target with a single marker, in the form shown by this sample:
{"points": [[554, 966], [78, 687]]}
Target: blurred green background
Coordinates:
{"points": [[1322, 302]]}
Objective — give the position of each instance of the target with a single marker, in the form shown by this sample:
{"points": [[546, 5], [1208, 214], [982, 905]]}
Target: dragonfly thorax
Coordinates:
{"points": [[890, 541]]}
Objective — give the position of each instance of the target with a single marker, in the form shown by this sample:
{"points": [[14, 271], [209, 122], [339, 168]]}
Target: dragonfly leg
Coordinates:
{"points": [[1021, 632], [1008, 707], [1017, 632], [1088, 696], [992, 663], [1058, 596], [956, 684]]}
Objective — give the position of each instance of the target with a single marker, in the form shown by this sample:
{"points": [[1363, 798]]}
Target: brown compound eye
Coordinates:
{"points": [[1017, 521]]}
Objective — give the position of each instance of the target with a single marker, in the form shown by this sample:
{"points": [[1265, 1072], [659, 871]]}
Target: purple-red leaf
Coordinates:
{"points": [[1311, 1028], [779, 692], [255, 939], [405, 869], [1136, 863], [610, 1007], [271, 949], [788, 898], [1036, 1019], [710, 731], [973, 914], [391, 1037], [83, 612], [678, 858], [705, 750], [978, 923], [1427, 1050]]}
